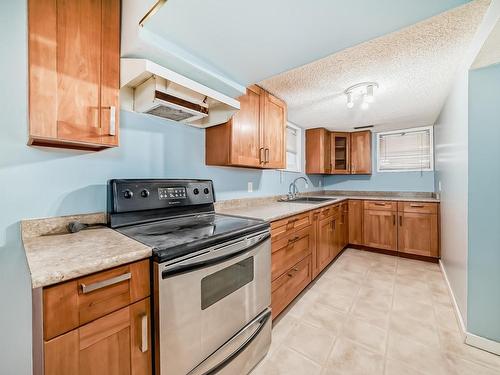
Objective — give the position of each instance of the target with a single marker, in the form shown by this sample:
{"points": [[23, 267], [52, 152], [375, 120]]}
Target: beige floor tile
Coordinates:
{"points": [[410, 283], [281, 328], [349, 358], [418, 330], [404, 295], [313, 342], [463, 367], [322, 316], [416, 355], [446, 317], [286, 361], [407, 307], [375, 296], [366, 334], [371, 313], [452, 343], [340, 302], [395, 367], [302, 303]]}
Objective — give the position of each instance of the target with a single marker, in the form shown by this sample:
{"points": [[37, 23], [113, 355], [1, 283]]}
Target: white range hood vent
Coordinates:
{"points": [[149, 88]]}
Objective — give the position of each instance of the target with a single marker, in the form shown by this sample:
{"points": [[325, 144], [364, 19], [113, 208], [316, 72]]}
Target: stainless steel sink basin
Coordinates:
{"points": [[310, 200]]}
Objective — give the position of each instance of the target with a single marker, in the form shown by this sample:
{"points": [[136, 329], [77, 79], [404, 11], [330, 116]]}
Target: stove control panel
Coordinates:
{"points": [[137, 195]]}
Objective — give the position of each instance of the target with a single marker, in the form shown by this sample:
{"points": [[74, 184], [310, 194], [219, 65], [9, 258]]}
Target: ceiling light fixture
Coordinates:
{"points": [[363, 90]]}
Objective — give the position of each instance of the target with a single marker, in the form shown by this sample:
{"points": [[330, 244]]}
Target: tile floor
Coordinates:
{"points": [[373, 314]]}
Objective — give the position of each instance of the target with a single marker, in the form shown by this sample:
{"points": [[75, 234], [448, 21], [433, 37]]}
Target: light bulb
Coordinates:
{"points": [[369, 98], [350, 103]]}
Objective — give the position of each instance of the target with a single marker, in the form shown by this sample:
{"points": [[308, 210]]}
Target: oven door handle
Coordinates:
{"points": [[231, 349], [215, 255]]}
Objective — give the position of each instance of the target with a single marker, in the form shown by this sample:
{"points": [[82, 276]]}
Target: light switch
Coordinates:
{"points": [[250, 186]]}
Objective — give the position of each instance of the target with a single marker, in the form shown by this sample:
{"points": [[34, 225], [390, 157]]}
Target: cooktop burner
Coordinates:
{"points": [[173, 217]]}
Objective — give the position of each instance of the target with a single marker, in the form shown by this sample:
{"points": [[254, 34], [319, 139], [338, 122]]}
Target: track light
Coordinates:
{"points": [[364, 91]]}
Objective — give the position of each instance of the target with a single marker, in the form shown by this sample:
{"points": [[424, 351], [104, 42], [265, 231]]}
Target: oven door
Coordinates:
{"points": [[204, 301]]}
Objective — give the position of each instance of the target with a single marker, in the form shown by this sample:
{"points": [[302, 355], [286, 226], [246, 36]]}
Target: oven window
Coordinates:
{"points": [[224, 282]]}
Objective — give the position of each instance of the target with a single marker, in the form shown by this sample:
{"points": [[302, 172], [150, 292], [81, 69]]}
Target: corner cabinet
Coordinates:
{"points": [[254, 137], [338, 152], [74, 67]]}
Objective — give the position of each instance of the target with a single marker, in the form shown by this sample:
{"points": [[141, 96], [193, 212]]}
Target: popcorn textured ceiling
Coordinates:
{"points": [[413, 66], [490, 52]]}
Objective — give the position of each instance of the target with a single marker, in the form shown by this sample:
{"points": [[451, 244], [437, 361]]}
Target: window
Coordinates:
{"points": [[293, 148], [405, 150]]}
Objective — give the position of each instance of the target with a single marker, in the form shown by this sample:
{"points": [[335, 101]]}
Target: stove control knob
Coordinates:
{"points": [[145, 193], [196, 191], [206, 191], [127, 194]]}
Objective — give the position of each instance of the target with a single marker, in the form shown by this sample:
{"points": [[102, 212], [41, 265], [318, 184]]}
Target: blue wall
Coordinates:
{"points": [[47, 182], [388, 181], [483, 302]]}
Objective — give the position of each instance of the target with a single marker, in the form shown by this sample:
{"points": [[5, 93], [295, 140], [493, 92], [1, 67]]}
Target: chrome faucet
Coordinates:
{"points": [[292, 189]]}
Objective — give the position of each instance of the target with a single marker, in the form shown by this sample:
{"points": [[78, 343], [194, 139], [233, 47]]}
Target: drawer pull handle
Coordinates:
{"points": [[400, 220], [379, 204], [292, 272], [393, 219], [417, 205], [291, 240], [104, 283], [144, 333]]}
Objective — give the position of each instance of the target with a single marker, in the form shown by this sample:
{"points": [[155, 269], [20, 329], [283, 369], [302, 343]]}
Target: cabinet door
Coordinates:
{"points": [[344, 225], [74, 73], [361, 152], [273, 130], [116, 344], [355, 236], [418, 234], [336, 246], [380, 229], [245, 145], [318, 148], [324, 243], [340, 153]]}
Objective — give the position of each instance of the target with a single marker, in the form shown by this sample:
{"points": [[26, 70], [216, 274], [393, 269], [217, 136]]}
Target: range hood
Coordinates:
{"points": [[151, 89]]}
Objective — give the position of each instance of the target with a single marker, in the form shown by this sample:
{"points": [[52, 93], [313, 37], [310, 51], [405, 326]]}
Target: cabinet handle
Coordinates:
{"points": [[112, 119], [266, 155], [416, 205], [400, 220], [104, 283], [379, 204], [291, 240], [144, 333], [393, 219], [261, 158]]}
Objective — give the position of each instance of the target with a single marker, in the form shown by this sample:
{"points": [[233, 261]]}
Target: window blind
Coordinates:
{"points": [[409, 150]]}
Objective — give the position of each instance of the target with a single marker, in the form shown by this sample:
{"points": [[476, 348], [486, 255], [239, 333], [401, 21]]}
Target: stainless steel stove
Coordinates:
{"points": [[211, 275]]}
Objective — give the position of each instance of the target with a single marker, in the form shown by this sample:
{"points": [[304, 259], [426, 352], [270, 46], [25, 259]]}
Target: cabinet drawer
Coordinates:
{"points": [[381, 205], [288, 286], [73, 303], [418, 207], [290, 250], [329, 211], [283, 228]]}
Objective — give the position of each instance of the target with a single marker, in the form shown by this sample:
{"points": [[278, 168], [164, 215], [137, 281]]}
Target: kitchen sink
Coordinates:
{"points": [[309, 200]]}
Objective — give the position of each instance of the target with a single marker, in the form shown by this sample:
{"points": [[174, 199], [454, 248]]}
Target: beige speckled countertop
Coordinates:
{"points": [[270, 209], [54, 255]]}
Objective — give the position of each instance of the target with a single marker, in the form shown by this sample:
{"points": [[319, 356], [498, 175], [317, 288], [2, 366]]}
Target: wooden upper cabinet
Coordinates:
{"points": [[74, 62], [340, 153], [318, 155], [254, 137], [361, 152], [273, 131]]}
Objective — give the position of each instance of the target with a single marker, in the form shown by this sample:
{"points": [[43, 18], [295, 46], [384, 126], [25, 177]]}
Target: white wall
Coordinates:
{"points": [[451, 167]]}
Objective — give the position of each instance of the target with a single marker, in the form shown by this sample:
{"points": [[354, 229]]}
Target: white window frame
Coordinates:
{"points": [[300, 148], [431, 134]]}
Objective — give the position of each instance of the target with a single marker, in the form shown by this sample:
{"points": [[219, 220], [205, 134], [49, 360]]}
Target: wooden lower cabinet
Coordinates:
{"points": [[288, 286], [380, 229], [418, 228], [324, 243], [355, 220], [116, 344]]}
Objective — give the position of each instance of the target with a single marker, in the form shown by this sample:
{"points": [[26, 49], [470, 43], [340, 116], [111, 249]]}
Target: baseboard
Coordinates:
{"points": [[454, 300], [394, 253], [469, 338], [482, 343]]}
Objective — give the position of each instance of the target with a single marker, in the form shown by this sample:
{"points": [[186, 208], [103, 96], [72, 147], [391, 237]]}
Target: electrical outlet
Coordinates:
{"points": [[250, 186], [439, 186], [320, 182]]}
